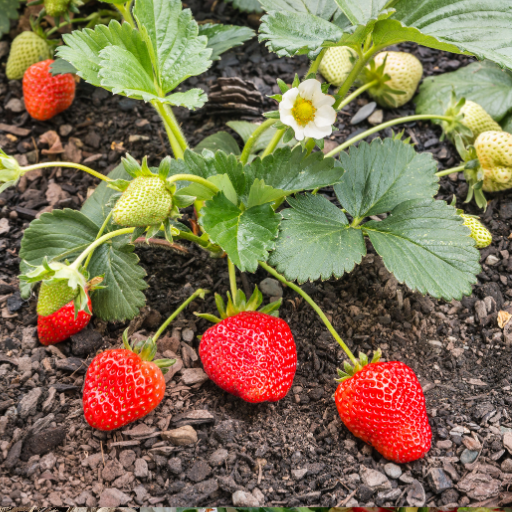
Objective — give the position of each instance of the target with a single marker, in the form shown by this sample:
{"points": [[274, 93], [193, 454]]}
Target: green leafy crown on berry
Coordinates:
{"points": [[10, 171], [146, 350], [239, 304], [456, 126], [349, 370]]}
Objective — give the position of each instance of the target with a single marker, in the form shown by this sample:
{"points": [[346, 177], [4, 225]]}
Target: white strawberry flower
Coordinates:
{"points": [[308, 110]]}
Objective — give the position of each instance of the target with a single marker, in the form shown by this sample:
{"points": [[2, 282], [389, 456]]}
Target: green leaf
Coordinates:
{"points": [[191, 99], [177, 51], [323, 8], [64, 234], [293, 171], [359, 12], [482, 82], [507, 124], [222, 38], [246, 5], [463, 26], [9, 10], [246, 236], [61, 67], [260, 193], [245, 130], [296, 33], [316, 241], [383, 174], [219, 140], [425, 244]]}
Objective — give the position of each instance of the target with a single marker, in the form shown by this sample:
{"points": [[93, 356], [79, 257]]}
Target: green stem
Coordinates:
{"points": [[310, 145], [393, 122], [177, 312], [61, 25], [195, 179], [356, 93], [176, 127], [316, 63], [256, 134], [100, 233], [66, 164], [98, 242], [273, 142], [451, 171], [205, 244], [125, 10], [314, 305], [171, 135], [232, 278]]}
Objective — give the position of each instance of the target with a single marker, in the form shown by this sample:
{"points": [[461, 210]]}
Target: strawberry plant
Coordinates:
{"points": [[259, 207]]}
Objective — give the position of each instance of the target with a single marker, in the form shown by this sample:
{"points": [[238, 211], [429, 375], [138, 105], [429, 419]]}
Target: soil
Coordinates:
{"points": [[294, 452]]}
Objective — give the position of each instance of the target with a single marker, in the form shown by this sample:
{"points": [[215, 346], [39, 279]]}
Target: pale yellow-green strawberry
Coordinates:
{"points": [[337, 64], [404, 71], [26, 49], [145, 202], [494, 152], [479, 233], [53, 295], [56, 8], [477, 119]]}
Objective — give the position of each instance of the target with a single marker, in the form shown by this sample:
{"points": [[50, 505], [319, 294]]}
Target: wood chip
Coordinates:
{"points": [[503, 318], [15, 130]]}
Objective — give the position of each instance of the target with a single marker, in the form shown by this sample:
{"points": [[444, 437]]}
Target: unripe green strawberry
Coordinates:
{"points": [[405, 72], [26, 49], [494, 152], [337, 64], [479, 232], [145, 202], [477, 119], [54, 295], [56, 8]]}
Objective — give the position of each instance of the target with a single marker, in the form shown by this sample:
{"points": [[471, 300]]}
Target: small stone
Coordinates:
{"points": [[416, 496], [296, 457], [218, 457], [439, 481], [182, 436], [299, 474], [191, 376], [194, 417], [28, 337], [113, 498], [47, 462], [28, 403], [364, 112], [92, 461], [65, 129], [141, 468], [444, 445], [4, 226], [468, 456], [260, 497], [54, 499], [506, 466], [507, 441], [492, 260], [15, 105], [392, 470], [244, 499], [112, 470], [375, 480], [199, 471], [175, 465], [376, 118], [224, 431], [127, 458], [271, 287], [188, 335]]}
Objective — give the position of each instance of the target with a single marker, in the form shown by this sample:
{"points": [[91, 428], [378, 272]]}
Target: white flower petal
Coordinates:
{"points": [[289, 98], [309, 88], [288, 119], [325, 116], [323, 100], [317, 132], [299, 130]]}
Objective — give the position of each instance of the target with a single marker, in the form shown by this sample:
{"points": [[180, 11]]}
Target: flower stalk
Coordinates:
{"points": [[256, 134], [80, 167]]}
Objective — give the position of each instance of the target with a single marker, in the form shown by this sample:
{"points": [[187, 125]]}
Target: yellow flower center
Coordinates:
{"points": [[303, 111]]}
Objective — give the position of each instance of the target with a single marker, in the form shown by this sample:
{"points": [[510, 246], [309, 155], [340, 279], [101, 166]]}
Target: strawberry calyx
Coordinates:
{"points": [[146, 350], [349, 370], [380, 89], [240, 304], [456, 126], [10, 171]]}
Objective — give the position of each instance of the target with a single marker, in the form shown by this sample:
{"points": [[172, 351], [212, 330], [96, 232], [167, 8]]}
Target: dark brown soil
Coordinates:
{"points": [[294, 452]]}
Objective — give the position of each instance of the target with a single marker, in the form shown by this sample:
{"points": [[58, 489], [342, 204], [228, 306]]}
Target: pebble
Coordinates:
{"points": [[175, 465], [218, 457], [392, 470], [65, 129], [444, 445], [438, 480], [225, 431], [113, 498], [141, 468], [191, 376], [15, 105], [416, 496], [375, 480], [188, 335], [506, 466], [28, 337], [363, 113], [182, 436], [112, 470], [299, 474], [296, 457], [127, 458], [244, 499], [468, 456], [376, 118], [199, 471], [492, 260], [271, 287]]}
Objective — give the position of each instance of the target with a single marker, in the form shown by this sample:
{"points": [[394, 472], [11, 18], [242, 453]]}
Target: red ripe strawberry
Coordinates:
{"points": [[122, 385], [383, 404], [46, 95], [251, 355], [62, 324]]}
